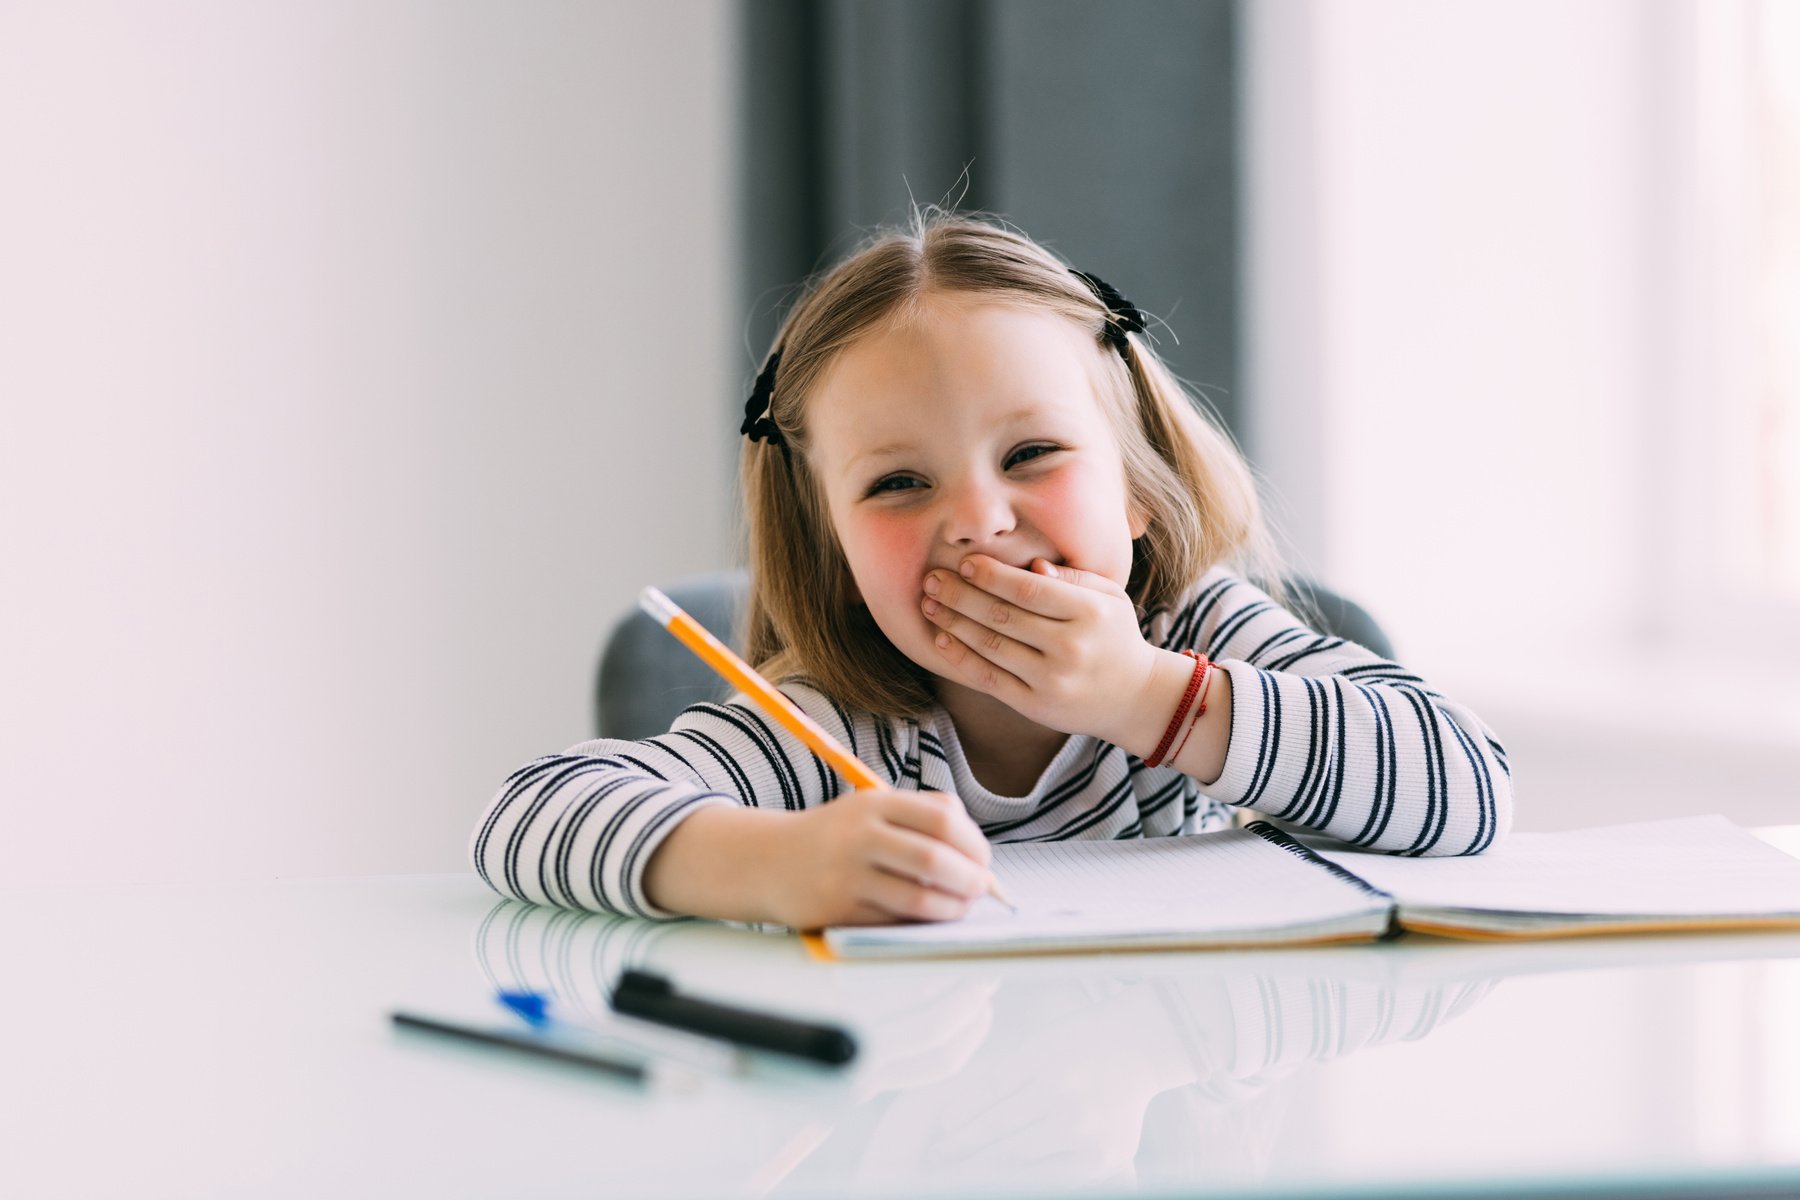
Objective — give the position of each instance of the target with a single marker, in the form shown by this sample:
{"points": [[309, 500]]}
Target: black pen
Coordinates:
{"points": [[653, 998], [630, 1070]]}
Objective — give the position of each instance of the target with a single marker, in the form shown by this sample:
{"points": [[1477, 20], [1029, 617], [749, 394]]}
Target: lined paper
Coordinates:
{"points": [[1224, 888], [1694, 867]]}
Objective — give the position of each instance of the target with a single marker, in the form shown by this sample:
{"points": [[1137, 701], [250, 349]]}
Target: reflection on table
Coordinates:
{"points": [[978, 1069], [233, 1040]]}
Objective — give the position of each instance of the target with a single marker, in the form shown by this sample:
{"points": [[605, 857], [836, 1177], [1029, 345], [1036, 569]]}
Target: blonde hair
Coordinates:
{"points": [[1181, 468]]}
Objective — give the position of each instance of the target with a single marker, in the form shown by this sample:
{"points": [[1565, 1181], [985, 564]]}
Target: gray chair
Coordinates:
{"points": [[646, 677]]}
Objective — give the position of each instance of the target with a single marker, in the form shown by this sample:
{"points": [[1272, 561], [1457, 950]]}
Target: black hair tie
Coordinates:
{"points": [[756, 426], [1122, 316]]}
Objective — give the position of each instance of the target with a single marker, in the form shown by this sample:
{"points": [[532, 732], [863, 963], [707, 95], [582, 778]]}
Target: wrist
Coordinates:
{"points": [[716, 863], [1203, 752], [1145, 717]]}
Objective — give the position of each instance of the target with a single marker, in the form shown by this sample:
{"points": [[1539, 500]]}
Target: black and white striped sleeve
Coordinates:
{"points": [[1328, 735], [577, 829]]}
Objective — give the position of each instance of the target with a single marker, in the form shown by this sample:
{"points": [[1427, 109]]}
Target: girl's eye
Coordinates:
{"points": [[1025, 454], [892, 483]]}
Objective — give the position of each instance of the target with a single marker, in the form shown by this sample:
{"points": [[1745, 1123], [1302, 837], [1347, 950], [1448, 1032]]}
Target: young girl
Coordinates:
{"points": [[994, 550]]}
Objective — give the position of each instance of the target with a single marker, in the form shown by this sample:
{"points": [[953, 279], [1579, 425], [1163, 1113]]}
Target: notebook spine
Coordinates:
{"points": [[1276, 837]]}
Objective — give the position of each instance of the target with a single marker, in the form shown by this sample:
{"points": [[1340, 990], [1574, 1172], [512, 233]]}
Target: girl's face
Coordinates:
{"points": [[975, 430]]}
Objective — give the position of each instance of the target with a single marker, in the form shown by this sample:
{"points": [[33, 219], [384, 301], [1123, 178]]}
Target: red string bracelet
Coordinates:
{"points": [[1200, 712], [1201, 663]]}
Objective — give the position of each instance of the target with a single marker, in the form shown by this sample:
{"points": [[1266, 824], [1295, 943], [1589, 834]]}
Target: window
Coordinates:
{"points": [[1736, 457]]}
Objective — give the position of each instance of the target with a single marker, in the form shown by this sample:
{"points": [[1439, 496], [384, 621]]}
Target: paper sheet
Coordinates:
{"points": [[1227, 886], [1689, 866]]}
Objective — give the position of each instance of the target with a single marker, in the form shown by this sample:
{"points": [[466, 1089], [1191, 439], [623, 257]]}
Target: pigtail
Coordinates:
{"points": [[1211, 479]]}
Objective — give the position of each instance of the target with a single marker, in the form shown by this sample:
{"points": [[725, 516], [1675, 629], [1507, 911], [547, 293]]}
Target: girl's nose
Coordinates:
{"points": [[979, 512]]}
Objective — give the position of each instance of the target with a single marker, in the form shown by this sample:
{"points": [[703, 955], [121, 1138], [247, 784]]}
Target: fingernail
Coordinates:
{"points": [[931, 585], [967, 569]]}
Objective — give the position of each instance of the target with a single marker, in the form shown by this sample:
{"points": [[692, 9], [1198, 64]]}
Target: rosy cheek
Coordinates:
{"points": [[893, 558], [1075, 504], [1063, 501], [1062, 491]]}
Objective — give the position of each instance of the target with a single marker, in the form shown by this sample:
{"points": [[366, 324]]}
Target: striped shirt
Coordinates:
{"points": [[1324, 735]]}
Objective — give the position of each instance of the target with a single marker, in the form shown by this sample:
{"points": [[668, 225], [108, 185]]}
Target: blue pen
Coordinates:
{"points": [[534, 1007]]}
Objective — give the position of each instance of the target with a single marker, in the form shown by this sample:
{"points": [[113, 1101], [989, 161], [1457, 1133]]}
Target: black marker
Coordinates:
{"points": [[653, 998]]}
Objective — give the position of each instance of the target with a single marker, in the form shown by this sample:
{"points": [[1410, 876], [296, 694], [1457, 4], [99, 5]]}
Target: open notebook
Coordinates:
{"points": [[1258, 886]]}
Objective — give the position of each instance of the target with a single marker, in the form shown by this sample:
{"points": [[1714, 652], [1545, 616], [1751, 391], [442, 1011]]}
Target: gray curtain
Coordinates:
{"points": [[1107, 131]]}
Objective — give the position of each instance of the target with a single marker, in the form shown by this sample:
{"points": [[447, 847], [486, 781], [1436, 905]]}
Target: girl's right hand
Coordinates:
{"points": [[876, 857]]}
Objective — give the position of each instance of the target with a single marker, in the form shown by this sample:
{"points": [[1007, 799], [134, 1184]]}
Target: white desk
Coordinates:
{"points": [[234, 1041]]}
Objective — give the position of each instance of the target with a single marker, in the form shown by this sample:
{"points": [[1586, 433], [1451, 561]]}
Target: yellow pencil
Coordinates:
{"points": [[743, 676]]}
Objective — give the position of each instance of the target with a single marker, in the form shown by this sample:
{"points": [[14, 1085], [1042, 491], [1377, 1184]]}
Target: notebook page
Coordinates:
{"points": [[1689, 866], [1231, 883]]}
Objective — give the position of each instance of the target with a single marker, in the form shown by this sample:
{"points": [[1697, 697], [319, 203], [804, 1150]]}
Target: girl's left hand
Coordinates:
{"points": [[1058, 645]]}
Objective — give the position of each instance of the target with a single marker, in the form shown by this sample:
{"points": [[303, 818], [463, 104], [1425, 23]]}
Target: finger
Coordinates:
{"points": [[864, 913], [965, 664], [1008, 646], [938, 816], [909, 900], [946, 590], [1044, 596], [931, 862], [1075, 576]]}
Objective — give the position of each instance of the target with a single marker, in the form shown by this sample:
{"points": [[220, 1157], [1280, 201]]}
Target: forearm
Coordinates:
{"points": [[578, 830], [717, 863], [1369, 756], [1312, 729]]}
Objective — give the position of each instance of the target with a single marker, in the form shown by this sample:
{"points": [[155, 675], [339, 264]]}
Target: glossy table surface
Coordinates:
{"points": [[234, 1040]]}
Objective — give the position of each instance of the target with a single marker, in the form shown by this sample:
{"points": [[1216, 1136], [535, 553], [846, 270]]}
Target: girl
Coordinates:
{"points": [[994, 549]]}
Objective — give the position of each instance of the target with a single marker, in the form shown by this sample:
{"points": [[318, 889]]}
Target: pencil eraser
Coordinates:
{"points": [[659, 606]]}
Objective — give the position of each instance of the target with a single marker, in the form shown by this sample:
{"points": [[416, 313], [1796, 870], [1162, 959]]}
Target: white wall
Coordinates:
{"points": [[1463, 363], [359, 362]]}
